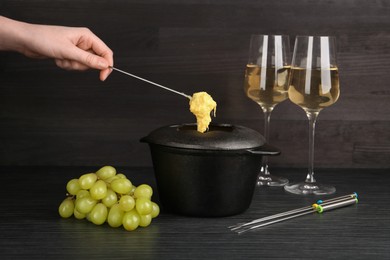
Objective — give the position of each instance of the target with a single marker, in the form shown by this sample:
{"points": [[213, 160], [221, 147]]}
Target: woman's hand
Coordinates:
{"points": [[72, 48]]}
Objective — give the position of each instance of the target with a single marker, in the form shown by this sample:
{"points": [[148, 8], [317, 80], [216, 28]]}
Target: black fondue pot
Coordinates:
{"points": [[211, 174]]}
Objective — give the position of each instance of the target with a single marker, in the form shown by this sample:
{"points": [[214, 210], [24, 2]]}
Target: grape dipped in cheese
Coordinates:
{"points": [[201, 105]]}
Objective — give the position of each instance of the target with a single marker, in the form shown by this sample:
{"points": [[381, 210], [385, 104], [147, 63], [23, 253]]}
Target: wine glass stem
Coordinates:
{"points": [[267, 116], [312, 116]]}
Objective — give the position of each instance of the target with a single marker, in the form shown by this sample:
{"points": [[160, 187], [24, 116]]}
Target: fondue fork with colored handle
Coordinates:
{"points": [[300, 211], [315, 208]]}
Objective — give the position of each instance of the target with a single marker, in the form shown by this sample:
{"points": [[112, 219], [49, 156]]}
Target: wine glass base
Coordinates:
{"points": [[270, 180], [306, 188]]}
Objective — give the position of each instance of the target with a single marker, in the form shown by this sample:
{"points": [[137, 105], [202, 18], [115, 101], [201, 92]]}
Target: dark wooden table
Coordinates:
{"points": [[30, 227]]}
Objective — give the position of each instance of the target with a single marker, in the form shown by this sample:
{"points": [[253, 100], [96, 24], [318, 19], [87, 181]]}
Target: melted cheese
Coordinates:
{"points": [[201, 105]]}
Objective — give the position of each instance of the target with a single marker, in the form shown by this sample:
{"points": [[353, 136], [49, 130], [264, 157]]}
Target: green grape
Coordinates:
{"points": [[98, 190], [133, 187], [115, 216], [121, 176], [131, 220], [145, 220], [78, 215], [73, 186], [111, 179], [143, 190], [126, 203], [106, 196], [66, 208], [110, 199], [85, 204], [144, 206], [121, 186], [87, 180], [155, 210], [106, 172], [98, 215], [82, 193]]}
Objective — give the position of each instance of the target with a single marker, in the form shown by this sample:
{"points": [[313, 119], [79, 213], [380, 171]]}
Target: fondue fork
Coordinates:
{"points": [[151, 82], [315, 208], [295, 212]]}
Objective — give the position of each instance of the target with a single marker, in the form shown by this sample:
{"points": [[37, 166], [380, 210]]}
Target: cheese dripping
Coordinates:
{"points": [[201, 105]]}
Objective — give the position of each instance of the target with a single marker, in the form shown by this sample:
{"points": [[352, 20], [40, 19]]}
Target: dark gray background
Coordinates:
{"points": [[53, 117]]}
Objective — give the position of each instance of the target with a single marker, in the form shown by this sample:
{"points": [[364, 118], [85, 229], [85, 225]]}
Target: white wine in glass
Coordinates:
{"points": [[314, 85], [266, 83]]}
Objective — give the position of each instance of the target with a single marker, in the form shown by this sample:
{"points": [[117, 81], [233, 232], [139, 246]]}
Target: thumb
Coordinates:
{"points": [[90, 59], [94, 61]]}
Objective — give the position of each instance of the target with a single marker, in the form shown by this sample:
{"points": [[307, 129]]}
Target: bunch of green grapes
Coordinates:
{"points": [[105, 196]]}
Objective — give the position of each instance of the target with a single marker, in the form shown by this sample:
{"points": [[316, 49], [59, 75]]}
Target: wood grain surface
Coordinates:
{"points": [[54, 117], [30, 227]]}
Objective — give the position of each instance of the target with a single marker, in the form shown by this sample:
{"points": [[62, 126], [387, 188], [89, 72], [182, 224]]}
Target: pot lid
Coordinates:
{"points": [[218, 137]]}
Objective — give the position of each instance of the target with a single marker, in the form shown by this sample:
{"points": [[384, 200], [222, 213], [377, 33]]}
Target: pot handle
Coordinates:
{"points": [[265, 149]]}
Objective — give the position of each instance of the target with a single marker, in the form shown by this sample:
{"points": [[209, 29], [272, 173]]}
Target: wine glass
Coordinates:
{"points": [[314, 85], [266, 83]]}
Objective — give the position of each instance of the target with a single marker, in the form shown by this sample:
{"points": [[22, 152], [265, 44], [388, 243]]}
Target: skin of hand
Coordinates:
{"points": [[72, 48]]}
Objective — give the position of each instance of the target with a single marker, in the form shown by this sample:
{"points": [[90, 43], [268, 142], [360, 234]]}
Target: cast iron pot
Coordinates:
{"points": [[210, 174]]}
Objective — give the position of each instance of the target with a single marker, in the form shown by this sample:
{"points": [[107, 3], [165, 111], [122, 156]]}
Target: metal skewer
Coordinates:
{"points": [[316, 208], [246, 229], [307, 209], [151, 82], [290, 212]]}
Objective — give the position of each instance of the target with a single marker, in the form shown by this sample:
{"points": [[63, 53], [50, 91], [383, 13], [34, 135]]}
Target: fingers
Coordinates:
{"points": [[89, 59], [70, 64], [104, 74], [74, 65], [92, 60], [103, 57], [89, 51]]}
